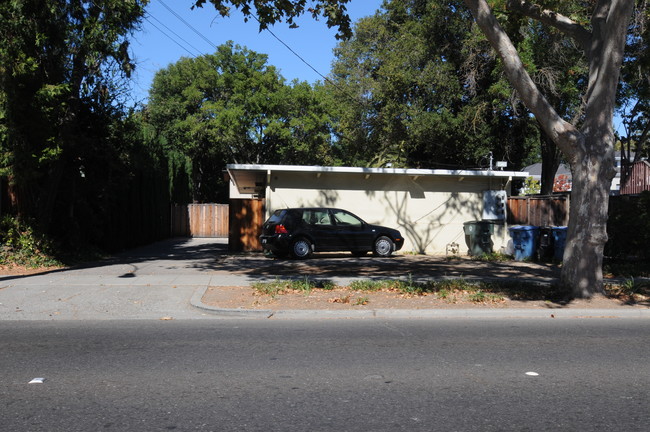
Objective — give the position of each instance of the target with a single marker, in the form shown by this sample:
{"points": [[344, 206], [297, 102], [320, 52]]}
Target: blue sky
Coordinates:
{"points": [[165, 38]]}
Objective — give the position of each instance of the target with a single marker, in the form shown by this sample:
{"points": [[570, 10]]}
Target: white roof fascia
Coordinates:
{"points": [[360, 170]]}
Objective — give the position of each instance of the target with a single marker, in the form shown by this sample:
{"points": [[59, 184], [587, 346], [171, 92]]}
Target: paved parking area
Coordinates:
{"points": [[162, 280]]}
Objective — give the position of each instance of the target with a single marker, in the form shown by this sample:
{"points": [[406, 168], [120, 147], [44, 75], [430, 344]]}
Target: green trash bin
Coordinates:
{"points": [[478, 237]]}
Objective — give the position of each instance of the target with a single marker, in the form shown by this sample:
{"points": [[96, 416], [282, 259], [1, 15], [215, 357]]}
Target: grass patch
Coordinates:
{"points": [[304, 285], [366, 285], [492, 257], [450, 290]]}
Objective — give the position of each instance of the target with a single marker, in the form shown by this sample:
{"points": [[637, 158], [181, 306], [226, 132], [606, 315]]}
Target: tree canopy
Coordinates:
{"points": [[58, 63], [69, 150], [417, 87], [232, 107]]}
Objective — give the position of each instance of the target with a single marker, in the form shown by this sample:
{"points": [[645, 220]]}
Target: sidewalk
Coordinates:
{"points": [[178, 279]]}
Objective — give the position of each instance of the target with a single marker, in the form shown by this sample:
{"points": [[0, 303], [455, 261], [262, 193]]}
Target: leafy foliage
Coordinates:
{"points": [[72, 155], [417, 86], [271, 11], [21, 245], [231, 107]]}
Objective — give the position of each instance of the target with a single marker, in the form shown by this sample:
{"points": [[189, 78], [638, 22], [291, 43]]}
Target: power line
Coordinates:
{"points": [[171, 38], [175, 34], [291, 50], [180, 18]]}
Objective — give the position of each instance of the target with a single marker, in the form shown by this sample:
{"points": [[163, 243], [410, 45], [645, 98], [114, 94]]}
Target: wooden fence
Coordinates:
{"points": [[635, 178], [200, 220], [539, 210], [246, 218]]}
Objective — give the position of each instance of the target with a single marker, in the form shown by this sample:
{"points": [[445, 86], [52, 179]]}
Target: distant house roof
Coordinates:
{"points": [[252, 178], [535, 170]]}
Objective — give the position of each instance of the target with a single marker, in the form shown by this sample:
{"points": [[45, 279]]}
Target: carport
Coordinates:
{"points": [[429, 207]]}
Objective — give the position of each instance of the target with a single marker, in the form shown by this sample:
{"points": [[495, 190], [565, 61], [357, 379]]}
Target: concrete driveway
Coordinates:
{"points": [[156, 281], [163, 280], [167, 280]]}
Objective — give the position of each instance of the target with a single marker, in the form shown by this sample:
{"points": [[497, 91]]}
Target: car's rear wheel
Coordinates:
{"points": [[383, 247], [301, 248]]}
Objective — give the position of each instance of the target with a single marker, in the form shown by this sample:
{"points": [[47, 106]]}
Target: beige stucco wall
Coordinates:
{"points": [[428, 210]]}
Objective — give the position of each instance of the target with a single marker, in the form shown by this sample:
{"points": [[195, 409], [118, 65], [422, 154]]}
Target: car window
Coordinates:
{"points": [[276, 216], [316, 217], [344, 218]]}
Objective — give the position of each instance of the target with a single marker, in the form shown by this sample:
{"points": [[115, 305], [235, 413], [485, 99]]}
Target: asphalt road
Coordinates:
{"points": [[325, 375]]}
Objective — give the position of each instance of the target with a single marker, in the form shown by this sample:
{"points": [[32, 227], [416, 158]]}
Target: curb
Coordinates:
{"points": [[421, 313]]}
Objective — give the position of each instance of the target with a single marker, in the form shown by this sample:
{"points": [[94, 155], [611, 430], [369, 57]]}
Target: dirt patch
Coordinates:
{"points": [[16, 270], [347, 299]]}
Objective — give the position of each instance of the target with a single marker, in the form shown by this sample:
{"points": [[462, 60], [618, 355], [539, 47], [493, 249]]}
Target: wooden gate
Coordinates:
{"points": [[246, 219], [200, 220]]}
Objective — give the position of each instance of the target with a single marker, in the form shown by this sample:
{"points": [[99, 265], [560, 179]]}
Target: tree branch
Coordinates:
{"points": [[553, 19], [609, 21], [561, 132]]}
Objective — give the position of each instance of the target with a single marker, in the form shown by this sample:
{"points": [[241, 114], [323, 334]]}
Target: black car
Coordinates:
{"points": [[301, 231]]}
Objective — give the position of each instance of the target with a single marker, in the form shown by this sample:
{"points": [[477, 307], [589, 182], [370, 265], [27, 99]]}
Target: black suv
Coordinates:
{"points": [[301, 231]]}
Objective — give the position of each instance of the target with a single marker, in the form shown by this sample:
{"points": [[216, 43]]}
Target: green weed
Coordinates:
{"points": [[492, 257], [410, 287], [362, 301], [304, 285], [272, 289], [22, 245], [367, 285]]}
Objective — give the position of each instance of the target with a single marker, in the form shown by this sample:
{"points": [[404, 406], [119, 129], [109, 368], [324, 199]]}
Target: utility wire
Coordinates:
{"points": [[180, 18], [291, 50], [171, 38], [174, 33]]}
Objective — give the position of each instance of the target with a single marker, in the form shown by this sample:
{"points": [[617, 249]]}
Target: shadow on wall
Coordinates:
{"points": [[425, 209], [422, 229], [326, 198]]}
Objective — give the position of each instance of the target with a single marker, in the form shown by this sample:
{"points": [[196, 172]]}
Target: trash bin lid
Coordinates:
{"points": [[524, 228]]}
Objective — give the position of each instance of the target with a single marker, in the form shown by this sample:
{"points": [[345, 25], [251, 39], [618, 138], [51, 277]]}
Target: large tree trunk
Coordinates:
{"points": [[592, 174], [590, 150]]}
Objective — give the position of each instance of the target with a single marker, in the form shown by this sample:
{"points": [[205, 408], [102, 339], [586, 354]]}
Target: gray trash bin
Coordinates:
{"points": [[478, 237]]}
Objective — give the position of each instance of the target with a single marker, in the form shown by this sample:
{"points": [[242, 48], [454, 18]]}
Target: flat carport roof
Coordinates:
{"points": [[253, 178]]}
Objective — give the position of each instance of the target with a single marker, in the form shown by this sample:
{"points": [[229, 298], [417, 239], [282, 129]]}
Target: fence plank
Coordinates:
{"points": [[635, 178], [246, 217], [200, 220], [538, 211]]}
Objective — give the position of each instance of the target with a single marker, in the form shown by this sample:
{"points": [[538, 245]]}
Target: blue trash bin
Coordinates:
{"points": [[559, 238], [524, 240]]}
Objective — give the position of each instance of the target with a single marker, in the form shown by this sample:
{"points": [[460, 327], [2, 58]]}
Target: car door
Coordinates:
{"points": [[351, 231], [318, 223]]}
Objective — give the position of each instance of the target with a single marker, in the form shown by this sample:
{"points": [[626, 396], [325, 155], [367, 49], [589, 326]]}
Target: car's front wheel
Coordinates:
{"points": [[383, 247], [301, 248]]}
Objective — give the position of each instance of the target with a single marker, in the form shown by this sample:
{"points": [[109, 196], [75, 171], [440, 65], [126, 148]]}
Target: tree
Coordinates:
{"points": [[416, 87], [589, 148], [588, 145], [60, 62], [635, 89], [231, 107]]}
